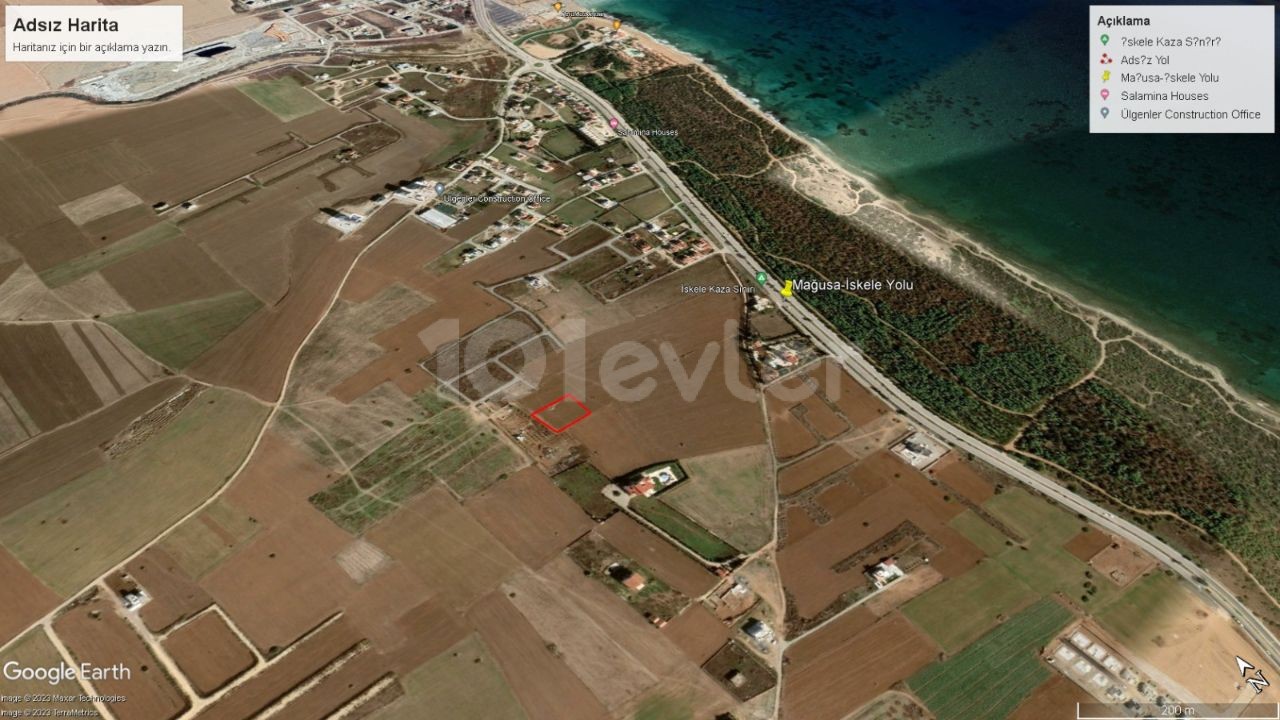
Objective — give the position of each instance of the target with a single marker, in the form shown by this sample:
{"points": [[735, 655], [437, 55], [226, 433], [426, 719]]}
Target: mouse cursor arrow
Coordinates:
{"points": [[1244, 666]]}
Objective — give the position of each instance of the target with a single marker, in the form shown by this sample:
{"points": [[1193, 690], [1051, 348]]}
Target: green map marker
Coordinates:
{"points": [[761, 278]]}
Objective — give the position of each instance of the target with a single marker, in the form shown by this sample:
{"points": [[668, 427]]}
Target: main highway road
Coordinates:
{"points": [[843, 351]]}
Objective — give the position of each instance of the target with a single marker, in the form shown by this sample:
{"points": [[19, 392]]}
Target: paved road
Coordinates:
{"points": [[839, 348]]}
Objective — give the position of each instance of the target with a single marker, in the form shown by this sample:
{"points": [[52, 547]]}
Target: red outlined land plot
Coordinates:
{"points": [[562, 413]]}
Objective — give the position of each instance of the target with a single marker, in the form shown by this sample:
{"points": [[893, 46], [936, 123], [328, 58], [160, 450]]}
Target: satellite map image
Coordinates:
{"points": [[639, 360]]}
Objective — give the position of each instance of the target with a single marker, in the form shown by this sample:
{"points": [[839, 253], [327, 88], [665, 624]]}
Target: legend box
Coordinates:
{"points": [[1182, 69]]}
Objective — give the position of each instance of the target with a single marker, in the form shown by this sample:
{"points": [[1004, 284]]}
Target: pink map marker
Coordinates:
{"points": [[1105, 93], [613, 123]]}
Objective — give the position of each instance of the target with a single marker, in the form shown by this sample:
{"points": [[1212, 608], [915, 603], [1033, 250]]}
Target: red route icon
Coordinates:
{"points": [[567, 397]]}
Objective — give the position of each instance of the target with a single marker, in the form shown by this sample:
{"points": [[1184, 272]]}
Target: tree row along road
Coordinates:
{"points": [[864, 372]]}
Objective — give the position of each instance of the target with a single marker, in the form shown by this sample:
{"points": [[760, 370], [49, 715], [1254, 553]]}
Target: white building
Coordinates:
{"points": [[885, 573], [442, 220]]}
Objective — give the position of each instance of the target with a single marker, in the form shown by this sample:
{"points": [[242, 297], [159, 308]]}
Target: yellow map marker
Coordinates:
{"points": [[617, 24], [786, 289], [557, 6]]}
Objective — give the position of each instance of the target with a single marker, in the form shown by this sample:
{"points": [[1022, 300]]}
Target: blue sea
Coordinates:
{"points": [[976, 111]]}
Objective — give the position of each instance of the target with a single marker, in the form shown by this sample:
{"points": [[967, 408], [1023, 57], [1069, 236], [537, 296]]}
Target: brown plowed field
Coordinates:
{"points": [[545, 687], [834, 635], [531, 516], [337, 689], [1088, 543], [174, 595], [42, 374], [851, 674], [629, 430], [95, 634], [697, 633], [806, 563], [790, 437], [399, 256], [208, 652], [583, 240], [821, 417], [1054, 699], [23, 598], [294, 561], [857, 403], [54, 459], [802, 474], [447, 548], [649, 549], [255, 356], [309, 657], [172, 272], [961, 477]]}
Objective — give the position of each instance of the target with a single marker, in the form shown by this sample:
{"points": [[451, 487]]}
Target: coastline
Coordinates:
{"points": [[942, 230]]}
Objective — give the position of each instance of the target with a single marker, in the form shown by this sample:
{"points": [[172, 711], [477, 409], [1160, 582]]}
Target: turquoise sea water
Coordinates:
{"points": [[977, 111]]}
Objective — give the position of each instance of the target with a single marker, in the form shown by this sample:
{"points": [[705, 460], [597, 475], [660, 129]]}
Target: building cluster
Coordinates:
{"points": [[774, 358], [358, 21], [1091, 664], [679, 241]]}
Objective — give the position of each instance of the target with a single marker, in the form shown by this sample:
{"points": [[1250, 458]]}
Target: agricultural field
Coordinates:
{"points": [[60, 536], [530, 516], [464, 679], [683, 529], [846, 664], [178, 334], [992, 676], [960, 610], [208, 652], [1014, 574], [446, 446], [730, 494], [283, 97], [96, 633], [585, 484]]}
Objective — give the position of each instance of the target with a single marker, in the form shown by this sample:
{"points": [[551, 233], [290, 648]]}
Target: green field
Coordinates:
{"points": [[285, 98], [74, 269], [664, 706], [482, 471], [956, 612], [685, 531], [563, 143], [464, 679], [197, 548], [178, 334], [990, 678], [578, 212], [1049, 569], [1033, 517], [960, 610], [648, 205], [1129, 615], [584, 483], [730, 494], [976, 530], [448, 445], [80, 530], [629, 188]]}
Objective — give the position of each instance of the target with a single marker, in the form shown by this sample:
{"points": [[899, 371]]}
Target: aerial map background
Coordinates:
{"points": [[977, 111]]}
